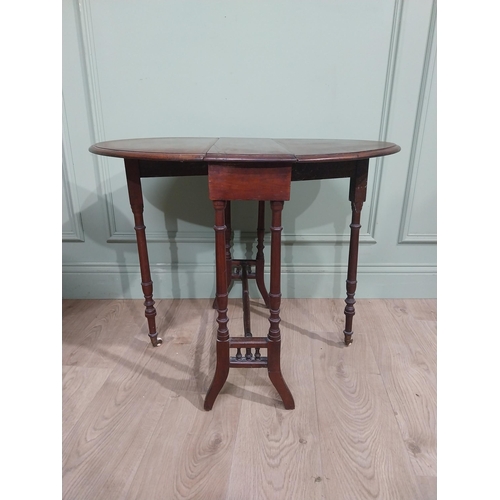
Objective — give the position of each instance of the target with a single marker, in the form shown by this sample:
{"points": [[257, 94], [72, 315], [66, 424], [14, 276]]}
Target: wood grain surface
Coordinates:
{"points": [[135, 428], [240, 149]]}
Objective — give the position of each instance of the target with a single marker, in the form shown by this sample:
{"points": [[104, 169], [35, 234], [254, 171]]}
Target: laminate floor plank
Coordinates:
{"points": [[422, 309], [78, 314], [428, 487], [277, 451], [102, 452], [363, 454], [104, 448], [80, 385], [405, 352], [112, 329], [190, 453], [135, 428]]}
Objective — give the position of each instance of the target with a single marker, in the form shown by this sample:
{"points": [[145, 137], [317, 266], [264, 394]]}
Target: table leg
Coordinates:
{"points": [[137, 204], [274, 335], [357, 195], [227, 218], [229, 267], [259, 267], [222, 366]]}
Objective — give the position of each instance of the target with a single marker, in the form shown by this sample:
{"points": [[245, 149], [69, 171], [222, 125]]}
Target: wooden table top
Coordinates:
{"points": [[215, 149]]}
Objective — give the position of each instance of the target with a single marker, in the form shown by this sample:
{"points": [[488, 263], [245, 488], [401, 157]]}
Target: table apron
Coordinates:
{"points": [[301, 171]]}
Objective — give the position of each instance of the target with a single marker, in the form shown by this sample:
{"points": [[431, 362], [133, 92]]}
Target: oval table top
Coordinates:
{"points": [[243, 149]]}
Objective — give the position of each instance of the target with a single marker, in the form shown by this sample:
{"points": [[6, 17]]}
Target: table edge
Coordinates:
{"points": [[208, 157]]}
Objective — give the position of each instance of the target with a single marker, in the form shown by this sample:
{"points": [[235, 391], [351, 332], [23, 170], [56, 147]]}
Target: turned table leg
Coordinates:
{"points": [[137, 204], [229, 267], [227, 219], [357, 195], [222, 366], [274, 335], [259, 267]]}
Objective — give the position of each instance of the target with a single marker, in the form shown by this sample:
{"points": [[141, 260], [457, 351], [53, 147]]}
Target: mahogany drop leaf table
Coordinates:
{"points": [[247, 169]]}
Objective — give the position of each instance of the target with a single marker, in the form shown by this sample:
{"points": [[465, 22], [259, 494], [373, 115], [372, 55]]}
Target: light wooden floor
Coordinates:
{"points": [[364, 426]]}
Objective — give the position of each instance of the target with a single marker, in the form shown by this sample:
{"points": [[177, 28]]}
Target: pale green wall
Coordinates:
{"points": [[356, 69]]}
